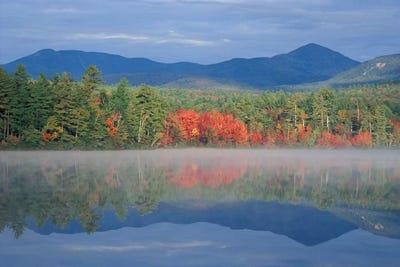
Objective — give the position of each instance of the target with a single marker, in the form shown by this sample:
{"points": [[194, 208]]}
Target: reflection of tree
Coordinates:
{"points": [[54, 193], [146, 186], [60, 192]]}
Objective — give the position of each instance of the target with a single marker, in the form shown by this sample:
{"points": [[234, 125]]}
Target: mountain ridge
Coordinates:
{"points": [[309, 63]]}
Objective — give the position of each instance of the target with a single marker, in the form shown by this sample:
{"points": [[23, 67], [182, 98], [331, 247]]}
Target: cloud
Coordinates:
{"points": [[61, 11], [183, 41], [145, 246], [171, 38], [186, 30], [104, 36]]}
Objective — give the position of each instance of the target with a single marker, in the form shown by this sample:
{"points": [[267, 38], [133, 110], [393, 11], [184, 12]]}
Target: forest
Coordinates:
{"points": [[61, 113]]}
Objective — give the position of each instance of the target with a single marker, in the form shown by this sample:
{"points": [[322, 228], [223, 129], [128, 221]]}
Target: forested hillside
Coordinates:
{"points": [[62, 113], [309, 63]]}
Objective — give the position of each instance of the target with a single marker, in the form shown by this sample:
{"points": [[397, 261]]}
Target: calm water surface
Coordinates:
{"points": [[200, 207]]}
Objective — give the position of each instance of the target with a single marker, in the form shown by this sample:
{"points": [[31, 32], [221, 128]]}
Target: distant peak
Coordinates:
{"points": [[311, 47], [45, 51]]}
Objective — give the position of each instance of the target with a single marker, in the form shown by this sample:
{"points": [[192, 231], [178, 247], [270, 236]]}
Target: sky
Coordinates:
{"points": [[202, 31]]}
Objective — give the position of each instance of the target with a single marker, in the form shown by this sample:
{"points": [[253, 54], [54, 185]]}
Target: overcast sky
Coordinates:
{"points": [[203, 31]]}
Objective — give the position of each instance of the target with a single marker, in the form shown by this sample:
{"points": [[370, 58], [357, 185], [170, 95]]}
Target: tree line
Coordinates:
{"points": [[61, 113]]}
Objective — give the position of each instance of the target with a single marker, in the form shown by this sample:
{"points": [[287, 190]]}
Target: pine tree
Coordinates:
{"points": [[146, 115], [42, 102], [21, 115], [66, 108], [6, 91]]}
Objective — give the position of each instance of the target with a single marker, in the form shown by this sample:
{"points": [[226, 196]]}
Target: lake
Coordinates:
{"points": [[200, 207]]}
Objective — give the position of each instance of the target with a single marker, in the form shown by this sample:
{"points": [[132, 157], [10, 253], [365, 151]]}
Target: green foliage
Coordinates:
{"points": [[146, 115], [64, 113]]}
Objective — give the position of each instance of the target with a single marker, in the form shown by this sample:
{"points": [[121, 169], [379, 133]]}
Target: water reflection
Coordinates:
{"points": [[61, 189]]}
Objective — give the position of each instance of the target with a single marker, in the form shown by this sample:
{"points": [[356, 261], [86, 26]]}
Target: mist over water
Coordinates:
{"points": [[338, 157]]}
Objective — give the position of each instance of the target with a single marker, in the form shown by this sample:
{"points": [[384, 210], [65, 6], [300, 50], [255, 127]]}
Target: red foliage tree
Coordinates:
{"points": [[362, 139], [304, 133], [330, 140], [256, 138], [182, 125], [217, 128], [187, 122], [395, 136], [46, 137], [112, 124], [208, 127]]}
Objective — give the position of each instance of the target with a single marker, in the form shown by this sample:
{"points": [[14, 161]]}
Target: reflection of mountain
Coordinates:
{"points": [[378, 222], [304, 224], [60, 186]]}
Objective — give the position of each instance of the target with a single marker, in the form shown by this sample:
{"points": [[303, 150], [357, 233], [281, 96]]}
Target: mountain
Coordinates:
{"points": [[309, 63], [378, 70]]}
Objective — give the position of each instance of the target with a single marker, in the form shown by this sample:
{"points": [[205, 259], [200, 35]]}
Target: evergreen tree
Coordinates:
{"points": [[146, 115], [21, 109], [67, 109], [381, 123], [42, 102], [323, 108], [6, 91], [120, 98], [88, 97]]}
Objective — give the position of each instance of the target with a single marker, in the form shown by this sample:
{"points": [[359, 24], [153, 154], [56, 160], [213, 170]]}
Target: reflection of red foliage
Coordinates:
{"points": [[215, 175], [110, 178], [46, 165]]}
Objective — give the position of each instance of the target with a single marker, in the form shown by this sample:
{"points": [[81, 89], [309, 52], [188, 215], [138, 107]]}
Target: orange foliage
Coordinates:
{"points": [[110, 123], [46, 137], [330, 140], [209, 127], [186, 121], [395, 136], [215, 127], [361, 139], [396, 124], [304, 132], [165, 139], [256, 138]]}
